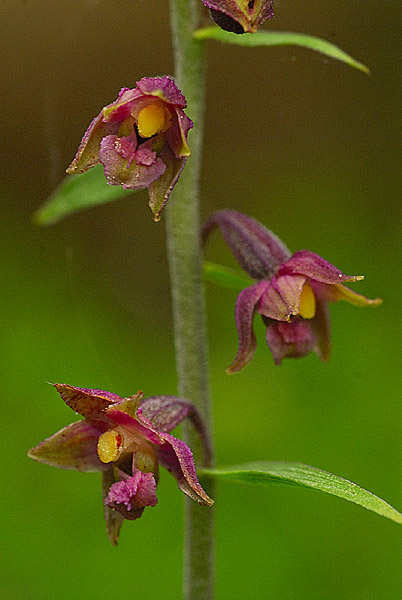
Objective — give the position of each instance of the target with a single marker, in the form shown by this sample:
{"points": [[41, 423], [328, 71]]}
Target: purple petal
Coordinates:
{"points": [[118, 416], [245, 309], [177, 458], [121, 109], [88, 152], [89, 403], [133, 494], [121, 169], [310, 264], [163, 88], [74, 447], [295, 339], [282, 297], [258, 250]]}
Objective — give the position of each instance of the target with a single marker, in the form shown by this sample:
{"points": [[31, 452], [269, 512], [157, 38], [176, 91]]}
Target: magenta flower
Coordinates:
{"points": [[140, 139], [291, 292], [240, 16], [125, 439]]}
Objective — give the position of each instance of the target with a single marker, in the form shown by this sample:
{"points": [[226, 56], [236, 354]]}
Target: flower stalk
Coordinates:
{"points": [[184, 255]]}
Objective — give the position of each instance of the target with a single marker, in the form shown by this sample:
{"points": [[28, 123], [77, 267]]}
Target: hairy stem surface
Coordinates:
{"points": [[188, 304]]}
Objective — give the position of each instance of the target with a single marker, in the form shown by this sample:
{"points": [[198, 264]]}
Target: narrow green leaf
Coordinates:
{"points": [[225, 277], [76, 193], [297, 474], [280, 38]]}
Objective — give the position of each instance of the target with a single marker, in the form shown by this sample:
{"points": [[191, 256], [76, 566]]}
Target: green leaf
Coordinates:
{"points": [[297, 474], [280, 38], [225, 277], [76, 193]]}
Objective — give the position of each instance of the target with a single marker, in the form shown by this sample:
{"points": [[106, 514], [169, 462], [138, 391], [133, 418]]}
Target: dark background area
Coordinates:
{"points": [[308, 146]]}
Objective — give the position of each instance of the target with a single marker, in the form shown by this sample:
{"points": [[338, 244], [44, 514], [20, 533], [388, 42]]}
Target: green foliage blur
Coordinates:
{"points": [[308, 146]]}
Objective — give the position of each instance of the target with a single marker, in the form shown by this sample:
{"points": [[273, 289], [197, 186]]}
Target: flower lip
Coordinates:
{"points": [[117, 438], [140, 139], [291, 292]]}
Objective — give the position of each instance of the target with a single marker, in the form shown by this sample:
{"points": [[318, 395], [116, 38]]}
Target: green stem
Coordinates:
{"points": [[184, 255]]}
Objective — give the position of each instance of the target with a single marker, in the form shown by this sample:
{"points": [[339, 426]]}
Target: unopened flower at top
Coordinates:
{"points": [[125, 439], [140, 139], [291, 291], [240, 16]]}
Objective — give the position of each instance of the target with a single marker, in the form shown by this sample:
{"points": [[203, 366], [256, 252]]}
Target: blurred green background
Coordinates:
{"points": [[308, 146]]}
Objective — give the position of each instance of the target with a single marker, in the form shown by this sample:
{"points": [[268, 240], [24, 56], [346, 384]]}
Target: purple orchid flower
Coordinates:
{"points": [[240, 16], [140, 139], [125, 439], [291, 291]]}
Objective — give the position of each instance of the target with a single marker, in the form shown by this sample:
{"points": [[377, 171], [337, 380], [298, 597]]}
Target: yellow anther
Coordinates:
{"points": [[151, 120], [110, 446], [307, 302]]}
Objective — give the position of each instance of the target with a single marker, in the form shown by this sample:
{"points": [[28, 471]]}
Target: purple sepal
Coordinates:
{"points": [[316, 268], [113, 518], [165, 412], [89, 403], [177, 458], [259, 251], [160, 190], [73, 447]]}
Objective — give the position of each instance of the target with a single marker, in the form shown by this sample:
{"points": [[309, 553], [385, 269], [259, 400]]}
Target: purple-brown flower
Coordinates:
{"points": [[140, 139], [240, 16], [125, 439], [291, 291]]}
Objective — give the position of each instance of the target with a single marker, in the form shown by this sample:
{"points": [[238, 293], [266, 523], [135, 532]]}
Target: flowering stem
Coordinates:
{"points": [[184, 255]]}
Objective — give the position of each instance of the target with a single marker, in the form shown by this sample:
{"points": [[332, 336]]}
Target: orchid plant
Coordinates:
{"points": [[140, 141]]}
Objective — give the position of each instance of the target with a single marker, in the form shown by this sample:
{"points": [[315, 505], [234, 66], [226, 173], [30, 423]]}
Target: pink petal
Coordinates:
{"points": [[163, 88], [118, 415], [245, 309], [74, 447], [281, 298], [89, 403], [122, 108]]}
